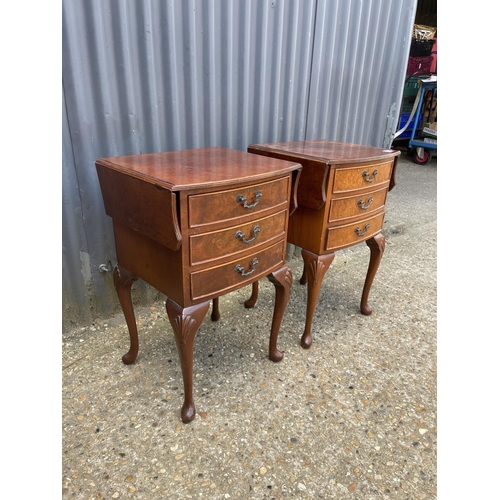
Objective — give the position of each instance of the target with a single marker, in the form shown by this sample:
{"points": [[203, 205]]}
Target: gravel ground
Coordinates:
{"points": [[354, 417]]}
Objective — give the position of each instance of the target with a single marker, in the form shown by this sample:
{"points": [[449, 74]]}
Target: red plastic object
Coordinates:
{"points": [[419, 65]]}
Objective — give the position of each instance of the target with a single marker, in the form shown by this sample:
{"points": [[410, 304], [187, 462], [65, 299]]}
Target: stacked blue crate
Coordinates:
{"points": [[403, 120]]}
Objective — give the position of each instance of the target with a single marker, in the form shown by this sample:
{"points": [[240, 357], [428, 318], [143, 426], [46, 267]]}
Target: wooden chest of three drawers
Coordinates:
{"points": [[195, 225], [341, 195]]}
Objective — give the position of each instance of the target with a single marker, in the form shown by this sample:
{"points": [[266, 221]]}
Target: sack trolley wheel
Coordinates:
{"points": [[422, 156]]}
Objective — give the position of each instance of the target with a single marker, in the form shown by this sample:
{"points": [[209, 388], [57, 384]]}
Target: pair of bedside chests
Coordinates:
{"points": [[200, 223]]}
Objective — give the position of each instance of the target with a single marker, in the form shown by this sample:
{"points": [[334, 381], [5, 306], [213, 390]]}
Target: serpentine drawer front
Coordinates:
{"points": [[197, 224], [348, 178], [338, 237], [211, 245], [218, 206], [236, 273], [342, 209], [342, 192]]}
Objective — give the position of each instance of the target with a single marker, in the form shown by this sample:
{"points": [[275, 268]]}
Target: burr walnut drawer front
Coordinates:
{"points": [[356, 206], [349, 234], [237, 273], [359, 177], [222, 206], [222, 243]]}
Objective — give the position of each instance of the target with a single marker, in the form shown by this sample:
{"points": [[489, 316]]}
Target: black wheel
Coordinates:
{"points": [[426, 158]]}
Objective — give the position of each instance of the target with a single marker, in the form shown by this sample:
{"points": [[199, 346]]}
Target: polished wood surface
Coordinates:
{"points": [[327, 152], [197, 168], [197, 224], [342, 192]]}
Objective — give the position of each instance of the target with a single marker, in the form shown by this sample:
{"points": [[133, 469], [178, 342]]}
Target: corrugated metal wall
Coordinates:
{"points": [[360, 52], [161, 75]]}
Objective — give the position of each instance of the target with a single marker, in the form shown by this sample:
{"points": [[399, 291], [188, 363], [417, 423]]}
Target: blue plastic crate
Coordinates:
{"points": [[402, 122]]}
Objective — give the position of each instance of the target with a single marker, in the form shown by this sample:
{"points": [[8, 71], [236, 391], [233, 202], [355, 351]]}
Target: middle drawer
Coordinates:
{"points": [[225, 242], [357, 205]]}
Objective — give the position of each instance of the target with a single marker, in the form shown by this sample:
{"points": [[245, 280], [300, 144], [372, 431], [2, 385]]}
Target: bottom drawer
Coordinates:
{"points": [[350, 234], [222, 279]]}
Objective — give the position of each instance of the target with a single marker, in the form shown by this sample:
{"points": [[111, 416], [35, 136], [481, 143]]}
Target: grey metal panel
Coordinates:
{"points": [[73, 238], [360, 54], [163, 75]]}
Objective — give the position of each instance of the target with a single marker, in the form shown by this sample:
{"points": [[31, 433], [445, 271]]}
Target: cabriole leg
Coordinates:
{"points": [[315, 267], [250, 302], [123, 280], [185, 323], [282, 281], [377, 247], [215, 309]]}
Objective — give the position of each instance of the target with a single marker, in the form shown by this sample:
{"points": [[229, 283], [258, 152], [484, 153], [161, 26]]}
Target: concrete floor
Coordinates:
{"points": [[354, 417]]}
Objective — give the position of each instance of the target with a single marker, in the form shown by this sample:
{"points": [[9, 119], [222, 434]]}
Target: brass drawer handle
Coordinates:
{"points": [[241, 269], [366, 175], [239, 235], [360, 232], [240, 198], [362, 205]]}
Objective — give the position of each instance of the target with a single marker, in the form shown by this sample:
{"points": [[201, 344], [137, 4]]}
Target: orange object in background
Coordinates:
{"points": [[434, 56]]}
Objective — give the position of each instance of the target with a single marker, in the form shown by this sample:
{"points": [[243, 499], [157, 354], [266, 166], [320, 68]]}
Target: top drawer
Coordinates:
{"points": [[359, 177], [226, 205]]}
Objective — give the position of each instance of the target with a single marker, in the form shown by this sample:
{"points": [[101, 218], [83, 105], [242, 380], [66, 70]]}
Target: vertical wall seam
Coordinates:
{"points": [[308, 100], [80, 199]]}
